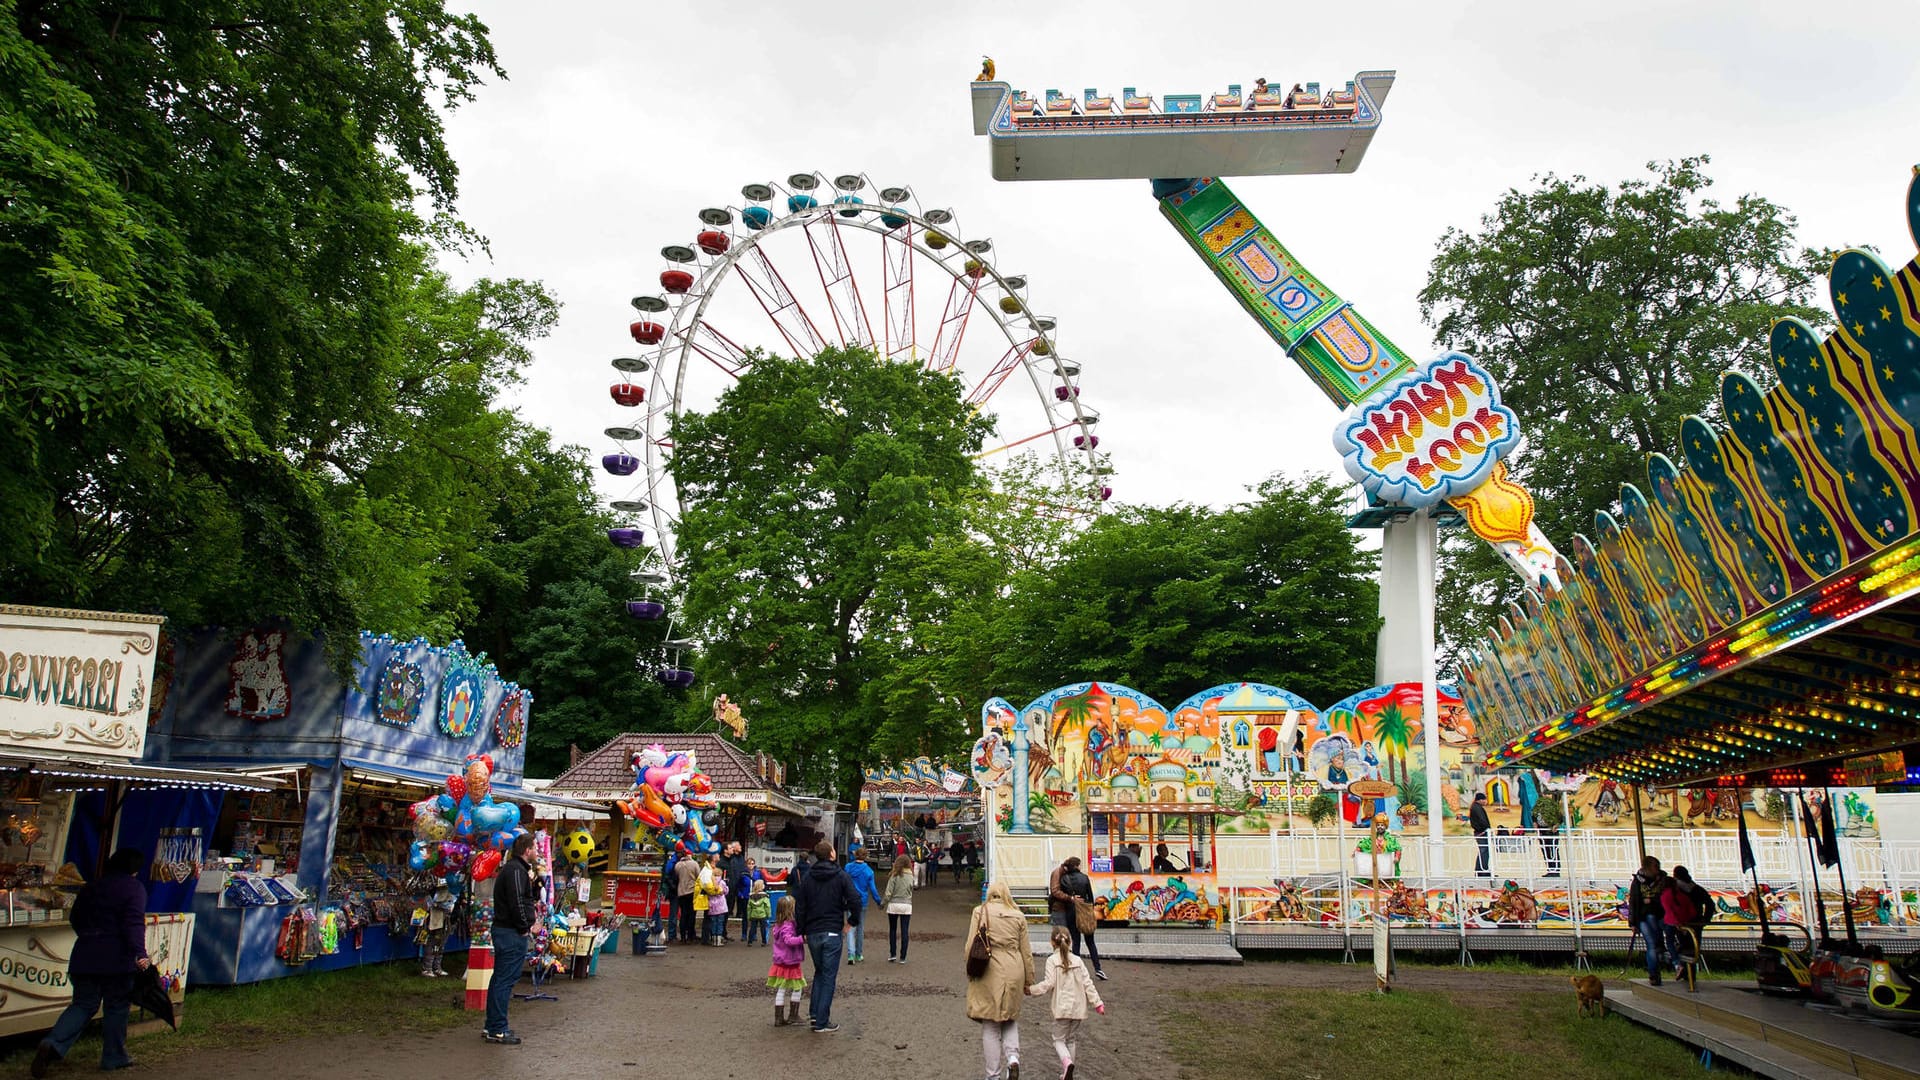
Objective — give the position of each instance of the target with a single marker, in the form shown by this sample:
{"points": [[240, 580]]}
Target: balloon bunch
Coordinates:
{"points": [[674, 800], [462, 831]]}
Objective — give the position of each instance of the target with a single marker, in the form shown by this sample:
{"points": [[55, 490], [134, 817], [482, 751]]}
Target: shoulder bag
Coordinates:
{"points": [[1085, 918], [978, 950]]}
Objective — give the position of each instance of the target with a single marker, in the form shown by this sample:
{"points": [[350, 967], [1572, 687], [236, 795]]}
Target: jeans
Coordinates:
{"points": [[1653, 932], [857, 941], [716, 926], [1550, 847], [826, 950], [509, 956], [1484, 860], [897, 934], [758, 926], [1067, 919], [88, 992]]}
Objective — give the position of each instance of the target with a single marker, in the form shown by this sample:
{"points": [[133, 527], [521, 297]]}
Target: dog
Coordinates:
{"points": [[1592, 994]]}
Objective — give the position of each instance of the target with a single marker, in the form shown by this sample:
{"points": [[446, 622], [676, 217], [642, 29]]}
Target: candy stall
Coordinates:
{"points": [[406, 779]]}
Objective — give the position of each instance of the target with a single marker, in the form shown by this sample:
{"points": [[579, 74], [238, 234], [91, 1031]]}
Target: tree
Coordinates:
{"points": [[1181, 598], [548, 589], [1606, 315], [813, 487], [208, 252]]}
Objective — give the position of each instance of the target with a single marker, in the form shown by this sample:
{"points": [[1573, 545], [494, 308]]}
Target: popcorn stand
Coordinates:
{"points": [[75, 693]]}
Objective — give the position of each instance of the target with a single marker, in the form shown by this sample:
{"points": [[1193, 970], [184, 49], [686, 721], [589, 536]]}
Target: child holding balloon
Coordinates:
{"points": [[784, 977]]}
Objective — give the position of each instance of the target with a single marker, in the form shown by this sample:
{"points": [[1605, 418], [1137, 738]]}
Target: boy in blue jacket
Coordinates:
{"points": [[861, 875]]}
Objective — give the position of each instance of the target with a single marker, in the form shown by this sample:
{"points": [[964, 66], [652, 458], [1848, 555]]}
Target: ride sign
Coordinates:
{"points": [[1428, 436]]}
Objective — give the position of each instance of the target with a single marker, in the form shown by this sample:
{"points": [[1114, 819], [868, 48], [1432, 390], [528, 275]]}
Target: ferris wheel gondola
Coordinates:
{"points": [[740, 285]]}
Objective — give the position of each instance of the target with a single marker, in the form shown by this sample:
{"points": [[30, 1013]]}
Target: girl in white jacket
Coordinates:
{"points": [[1072, 990]]}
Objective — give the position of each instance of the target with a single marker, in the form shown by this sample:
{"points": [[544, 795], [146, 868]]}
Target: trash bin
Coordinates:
{"points": [[640, 941]]}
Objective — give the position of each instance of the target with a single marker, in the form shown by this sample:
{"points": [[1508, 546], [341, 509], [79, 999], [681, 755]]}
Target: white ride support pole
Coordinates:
{"points": [[1429, 688]]}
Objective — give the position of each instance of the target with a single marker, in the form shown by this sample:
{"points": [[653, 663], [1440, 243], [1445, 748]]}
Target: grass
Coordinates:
{"points": [[1410, 1035], [388, 998]]}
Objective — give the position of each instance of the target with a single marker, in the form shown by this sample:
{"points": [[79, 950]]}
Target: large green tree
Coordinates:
{"points": [[812, 487], [1175, 599], [211, 270], [1606, 314], [549, 590]]}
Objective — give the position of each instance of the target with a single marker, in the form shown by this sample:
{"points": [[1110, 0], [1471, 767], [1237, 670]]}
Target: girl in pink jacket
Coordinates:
{"points": [[784, 977]]}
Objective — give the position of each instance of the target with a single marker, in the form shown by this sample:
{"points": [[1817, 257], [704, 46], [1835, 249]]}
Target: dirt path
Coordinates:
{"points": [[698, 1004]]}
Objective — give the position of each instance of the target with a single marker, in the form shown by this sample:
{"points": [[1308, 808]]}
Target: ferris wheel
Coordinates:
{"points": [[889, 276]]}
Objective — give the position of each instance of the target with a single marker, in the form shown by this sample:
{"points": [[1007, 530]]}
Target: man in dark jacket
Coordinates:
{"points": [[824, 901], [109, 922], [735, 860], [513, 898], [1477, 818]]}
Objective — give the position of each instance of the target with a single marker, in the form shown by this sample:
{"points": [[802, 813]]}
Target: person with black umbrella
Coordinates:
{"points": [[109, 921]]}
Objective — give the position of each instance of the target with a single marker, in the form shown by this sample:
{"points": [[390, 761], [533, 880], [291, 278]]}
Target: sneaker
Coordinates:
{"points": [[504, 1038], [426, 974], [1656, 979], [827, 1030], [1068, 1074], [43, 1060], [1013, 1070], [1100, 974]]}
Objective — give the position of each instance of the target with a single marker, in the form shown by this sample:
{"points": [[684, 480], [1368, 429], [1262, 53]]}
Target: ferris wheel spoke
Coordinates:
{"points": [[716, 347], [1003, 448], [778, 301], [990, 383], [836, 278], [896, 255], [953, 324]]}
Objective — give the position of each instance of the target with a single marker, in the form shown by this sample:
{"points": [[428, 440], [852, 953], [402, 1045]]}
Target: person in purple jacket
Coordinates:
{"points": [[109, 922]]}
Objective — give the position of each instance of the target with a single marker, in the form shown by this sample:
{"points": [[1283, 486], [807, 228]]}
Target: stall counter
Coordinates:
{"points": [[33, 968]]}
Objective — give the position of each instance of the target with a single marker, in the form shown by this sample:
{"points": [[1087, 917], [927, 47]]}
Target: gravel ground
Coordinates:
{"points": [[703, 1013]]}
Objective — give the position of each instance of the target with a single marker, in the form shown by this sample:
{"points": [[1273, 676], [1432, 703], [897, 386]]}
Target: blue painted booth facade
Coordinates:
{"points": [[413, 712]]}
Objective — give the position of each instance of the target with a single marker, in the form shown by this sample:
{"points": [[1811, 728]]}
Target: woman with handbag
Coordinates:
{"points": [[999, 970], [1070, 904]]}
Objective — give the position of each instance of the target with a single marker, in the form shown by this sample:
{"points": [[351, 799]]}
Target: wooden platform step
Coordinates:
{"points": [[1184, 946], [1772, 1037]]}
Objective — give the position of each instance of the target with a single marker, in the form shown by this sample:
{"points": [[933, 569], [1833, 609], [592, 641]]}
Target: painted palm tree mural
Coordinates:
{"points": [[1393, 731]]}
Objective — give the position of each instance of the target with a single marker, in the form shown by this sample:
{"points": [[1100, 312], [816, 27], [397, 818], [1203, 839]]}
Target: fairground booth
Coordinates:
{"points": [[922, 803], [76, 692], [752, 807], [316, 875]]}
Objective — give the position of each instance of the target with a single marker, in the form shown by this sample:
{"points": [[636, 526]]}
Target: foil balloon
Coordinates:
{"points": [[423, 855], [485, 864]]}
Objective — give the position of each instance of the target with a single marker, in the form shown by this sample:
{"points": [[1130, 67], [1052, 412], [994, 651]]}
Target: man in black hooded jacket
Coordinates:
{"points": [[824, 902]]}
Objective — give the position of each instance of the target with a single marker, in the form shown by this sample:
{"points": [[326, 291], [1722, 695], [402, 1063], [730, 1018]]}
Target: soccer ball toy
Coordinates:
{"points": [[578, 847]]}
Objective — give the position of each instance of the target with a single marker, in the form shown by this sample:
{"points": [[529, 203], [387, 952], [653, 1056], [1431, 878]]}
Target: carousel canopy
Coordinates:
{"points": [[1754, 617]]}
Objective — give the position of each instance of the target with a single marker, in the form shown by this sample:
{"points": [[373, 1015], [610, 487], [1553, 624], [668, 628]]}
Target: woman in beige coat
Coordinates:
{"points": [[994, 998]]}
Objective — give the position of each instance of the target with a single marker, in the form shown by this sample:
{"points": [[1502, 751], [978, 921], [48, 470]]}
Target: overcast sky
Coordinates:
{"points": [[620, 120]]}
